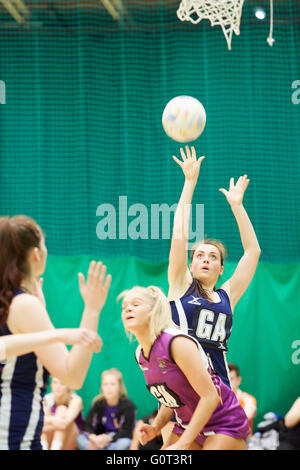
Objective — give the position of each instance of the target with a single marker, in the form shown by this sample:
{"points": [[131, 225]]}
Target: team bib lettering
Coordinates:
{"points": [[165, 395], [206, 329]]}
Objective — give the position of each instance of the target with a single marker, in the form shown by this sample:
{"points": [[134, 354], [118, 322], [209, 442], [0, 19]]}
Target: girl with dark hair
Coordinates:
{"points": [[23, 379]]}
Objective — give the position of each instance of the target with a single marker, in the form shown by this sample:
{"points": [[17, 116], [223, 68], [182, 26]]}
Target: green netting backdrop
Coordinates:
{"points": [[82, 126]]}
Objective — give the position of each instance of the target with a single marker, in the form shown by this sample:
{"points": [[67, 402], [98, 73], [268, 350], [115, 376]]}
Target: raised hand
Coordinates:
{"points": [[94, 290], [189, 164], [236, 191]]}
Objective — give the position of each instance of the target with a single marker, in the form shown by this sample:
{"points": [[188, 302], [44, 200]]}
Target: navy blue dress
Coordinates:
{"points": [[23, 383]]}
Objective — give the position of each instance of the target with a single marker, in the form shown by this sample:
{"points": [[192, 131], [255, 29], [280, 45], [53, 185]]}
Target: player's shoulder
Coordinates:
{"points": [[24, 300], [166, 338], [181, 290], [27, 314], [179, 335], [138, 353], [23, 305], [172, 331]]}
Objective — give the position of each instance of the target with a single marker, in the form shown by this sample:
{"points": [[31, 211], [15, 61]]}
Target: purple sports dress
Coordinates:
{"points": [[170, 386]]}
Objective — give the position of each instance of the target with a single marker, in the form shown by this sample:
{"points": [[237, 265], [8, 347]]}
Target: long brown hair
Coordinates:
{"points": [[17, 236], [197, 286]]}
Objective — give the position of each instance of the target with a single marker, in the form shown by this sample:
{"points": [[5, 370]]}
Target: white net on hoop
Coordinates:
{"points": [[224, 13]]}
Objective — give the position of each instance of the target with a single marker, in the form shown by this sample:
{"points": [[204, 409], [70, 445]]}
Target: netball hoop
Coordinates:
{"points": [[224, 13]]}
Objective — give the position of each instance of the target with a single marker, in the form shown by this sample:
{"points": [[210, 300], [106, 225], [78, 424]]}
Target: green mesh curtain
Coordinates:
{"points": [[81, 128]]}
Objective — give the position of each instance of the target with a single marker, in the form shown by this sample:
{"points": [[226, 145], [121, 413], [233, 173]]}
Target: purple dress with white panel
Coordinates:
{"points": [[170, 386]]}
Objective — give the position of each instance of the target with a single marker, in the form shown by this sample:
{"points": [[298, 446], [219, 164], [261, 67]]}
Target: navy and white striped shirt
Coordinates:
{"points": [[23, 383]]}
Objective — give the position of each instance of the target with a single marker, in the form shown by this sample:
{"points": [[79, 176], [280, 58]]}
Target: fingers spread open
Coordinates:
{"points": [[107, 282], [182, 154], [188, 152], [177, 160]]}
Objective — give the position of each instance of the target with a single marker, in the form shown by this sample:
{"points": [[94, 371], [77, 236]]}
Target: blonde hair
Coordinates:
{"points": [[118, 375], [161, 316]]}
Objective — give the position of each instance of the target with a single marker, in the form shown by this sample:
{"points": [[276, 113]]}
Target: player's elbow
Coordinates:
{"points": [[258, 251], [76, 384], [254, 252], [70, 381]]}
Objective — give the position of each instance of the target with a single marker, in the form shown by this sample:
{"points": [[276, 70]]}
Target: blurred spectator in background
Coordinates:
{"points": [[63, 418], [111, 419], [247, 401], [289, 435]]}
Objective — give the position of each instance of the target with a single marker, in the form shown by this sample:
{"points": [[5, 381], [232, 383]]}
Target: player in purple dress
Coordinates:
{"points": [[208, 415]]}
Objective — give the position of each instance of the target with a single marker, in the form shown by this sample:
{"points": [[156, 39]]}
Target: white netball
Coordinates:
{"points": [[184, 119]]}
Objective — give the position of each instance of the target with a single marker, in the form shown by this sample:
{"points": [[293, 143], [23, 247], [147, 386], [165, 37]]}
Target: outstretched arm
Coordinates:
{"points": [[28, 315], [244, 272], [179, 276]]}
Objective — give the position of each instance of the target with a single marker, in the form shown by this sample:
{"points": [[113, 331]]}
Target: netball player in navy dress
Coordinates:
{"points": [[23, 379], [177, 372], [197, 307]]}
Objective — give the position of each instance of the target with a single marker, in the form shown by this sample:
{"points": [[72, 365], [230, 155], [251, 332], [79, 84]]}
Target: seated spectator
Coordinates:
{"points": [[247, 401], [111, 419], [289, 435], [155, 444], [63, 418]]}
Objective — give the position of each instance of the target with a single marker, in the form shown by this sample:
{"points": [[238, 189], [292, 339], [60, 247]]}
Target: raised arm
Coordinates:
{"points": [[179, 276], [244, 272], [28, 314]]}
